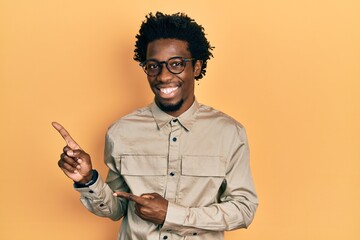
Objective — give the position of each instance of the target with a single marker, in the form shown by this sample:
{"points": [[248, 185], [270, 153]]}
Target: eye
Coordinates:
{"points": [[176, 63], [152, 65]]}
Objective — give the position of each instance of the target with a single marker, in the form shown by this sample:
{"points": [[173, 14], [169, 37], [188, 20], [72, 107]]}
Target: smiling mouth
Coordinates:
{"points": [[169, 90]]}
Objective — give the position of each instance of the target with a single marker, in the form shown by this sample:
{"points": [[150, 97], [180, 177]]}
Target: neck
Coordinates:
{"points": [[177, 109]]}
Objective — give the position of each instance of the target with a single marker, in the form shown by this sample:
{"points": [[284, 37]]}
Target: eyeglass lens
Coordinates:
{"points": [[154, 67]]}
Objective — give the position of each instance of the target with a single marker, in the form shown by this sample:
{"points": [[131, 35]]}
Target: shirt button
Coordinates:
{"points": [[172, 174], [175, 120], [194, 234], [174, 139], [91, 191], [165, 237], [101, 205]]}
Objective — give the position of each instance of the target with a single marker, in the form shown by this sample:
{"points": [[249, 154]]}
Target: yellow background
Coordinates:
{"points": [[289, 70]]}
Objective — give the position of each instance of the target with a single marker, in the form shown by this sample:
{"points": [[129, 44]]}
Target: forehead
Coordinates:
{"points": [[163, 49]]}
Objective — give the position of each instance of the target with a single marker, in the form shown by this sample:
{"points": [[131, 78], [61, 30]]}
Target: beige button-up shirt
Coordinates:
{"points": [[199, 162]]}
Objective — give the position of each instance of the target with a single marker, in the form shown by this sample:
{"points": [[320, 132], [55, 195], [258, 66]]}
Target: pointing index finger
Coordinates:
{"points": [[131, 197], [66, 136]]}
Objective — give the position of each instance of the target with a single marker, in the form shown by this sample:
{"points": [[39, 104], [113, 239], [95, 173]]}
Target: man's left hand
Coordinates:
{"points": [[149, 206]]}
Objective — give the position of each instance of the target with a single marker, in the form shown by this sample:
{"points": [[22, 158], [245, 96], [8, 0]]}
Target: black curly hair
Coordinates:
{"points": [[175, 26]]}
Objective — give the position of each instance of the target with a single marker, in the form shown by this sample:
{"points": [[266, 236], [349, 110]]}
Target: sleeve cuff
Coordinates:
{"points": [[176, 221], [175, 216]]}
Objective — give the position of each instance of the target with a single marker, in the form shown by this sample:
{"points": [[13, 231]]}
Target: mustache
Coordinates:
{"points": [[178, 82]]}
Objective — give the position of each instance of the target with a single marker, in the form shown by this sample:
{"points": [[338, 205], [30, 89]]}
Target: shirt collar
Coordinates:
{"points": [[187, 119]]}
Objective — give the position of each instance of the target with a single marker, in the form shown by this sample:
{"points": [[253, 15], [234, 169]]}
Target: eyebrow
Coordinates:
{"points": [[167, 59]]}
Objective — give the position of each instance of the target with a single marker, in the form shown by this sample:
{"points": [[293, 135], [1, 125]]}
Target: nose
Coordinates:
{"points": [[165, 75]]}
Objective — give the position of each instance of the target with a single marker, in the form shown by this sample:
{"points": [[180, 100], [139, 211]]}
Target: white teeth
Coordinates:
{"points": [[168, 90]]}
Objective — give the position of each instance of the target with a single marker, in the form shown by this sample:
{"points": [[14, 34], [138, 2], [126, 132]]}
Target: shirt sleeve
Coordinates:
{"points": [[237, 203], [98, 198]]}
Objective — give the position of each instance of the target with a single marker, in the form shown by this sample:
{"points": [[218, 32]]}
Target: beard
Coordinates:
{"points": [[170, 107]]}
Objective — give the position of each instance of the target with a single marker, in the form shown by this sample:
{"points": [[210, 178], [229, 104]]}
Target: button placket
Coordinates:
{"points": [[173, 159]]}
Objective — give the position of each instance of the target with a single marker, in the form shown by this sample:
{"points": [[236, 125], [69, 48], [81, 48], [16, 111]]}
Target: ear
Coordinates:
{"points": [[198, 67]]}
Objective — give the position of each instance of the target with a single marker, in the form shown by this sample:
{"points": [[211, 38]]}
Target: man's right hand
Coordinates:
{"points": [[74, 161]]}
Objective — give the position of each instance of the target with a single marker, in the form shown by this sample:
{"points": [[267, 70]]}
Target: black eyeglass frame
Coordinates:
{"points": [[160, 64]]}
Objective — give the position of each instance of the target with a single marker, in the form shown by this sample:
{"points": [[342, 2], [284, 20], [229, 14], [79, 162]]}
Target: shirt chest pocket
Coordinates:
{"points": [[144, 174], [201, 179]]}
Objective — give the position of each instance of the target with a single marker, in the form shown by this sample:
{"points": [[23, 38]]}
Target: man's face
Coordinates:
{"points": [[174, 93]]}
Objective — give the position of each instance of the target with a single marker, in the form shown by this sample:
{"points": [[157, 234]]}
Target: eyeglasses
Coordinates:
{"points": [[175, 65]]}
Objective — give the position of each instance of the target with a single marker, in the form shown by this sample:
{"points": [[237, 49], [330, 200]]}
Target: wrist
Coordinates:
{"points": [[88, 180]]}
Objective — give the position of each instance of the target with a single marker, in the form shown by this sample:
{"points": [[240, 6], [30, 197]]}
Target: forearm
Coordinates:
{"points": [[216, 217], [98, 199]]}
